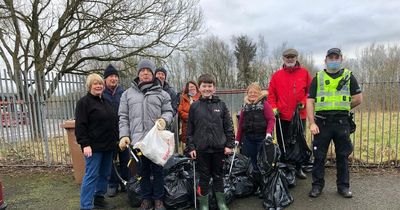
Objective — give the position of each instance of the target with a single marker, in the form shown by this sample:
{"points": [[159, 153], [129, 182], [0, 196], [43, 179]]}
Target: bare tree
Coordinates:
{"points": [[40, 36], [377, 63], [260, 63], [306, 60], [217, 60]]}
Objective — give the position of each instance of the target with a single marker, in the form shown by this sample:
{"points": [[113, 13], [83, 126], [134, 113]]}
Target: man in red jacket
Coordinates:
{"points": [[288, 89]]}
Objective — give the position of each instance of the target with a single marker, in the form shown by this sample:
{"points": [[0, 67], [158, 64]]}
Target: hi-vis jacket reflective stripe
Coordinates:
{"points": [[328, 98]]}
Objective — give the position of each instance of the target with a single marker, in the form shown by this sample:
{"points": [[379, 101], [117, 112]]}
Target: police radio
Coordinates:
{"points": [[342, 82]]}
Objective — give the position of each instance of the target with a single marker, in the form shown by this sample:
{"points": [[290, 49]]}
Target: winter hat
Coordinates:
{"points": [[161, 69], [110, 70], [146, 64]]}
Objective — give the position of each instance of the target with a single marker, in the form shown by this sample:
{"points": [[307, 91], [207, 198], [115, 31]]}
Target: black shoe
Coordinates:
{"points": [[112, 191], [346, 193], [315, 192], [101, 203], [300, 174]]}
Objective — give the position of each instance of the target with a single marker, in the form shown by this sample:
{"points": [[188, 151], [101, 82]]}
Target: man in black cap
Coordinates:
{"points": [[112, 93], [161, 74], [334, 91]]}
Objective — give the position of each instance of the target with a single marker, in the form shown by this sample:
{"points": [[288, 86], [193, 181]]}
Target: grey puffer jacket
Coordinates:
{"points": [[138, 111]]}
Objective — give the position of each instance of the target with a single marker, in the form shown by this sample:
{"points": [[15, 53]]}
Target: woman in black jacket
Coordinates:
{"points": [[96, 130]]}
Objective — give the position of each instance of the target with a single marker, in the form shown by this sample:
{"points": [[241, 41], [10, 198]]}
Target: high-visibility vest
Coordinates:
{"points": [[328, 97]]}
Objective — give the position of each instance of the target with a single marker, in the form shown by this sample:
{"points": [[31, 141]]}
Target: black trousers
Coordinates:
{"points": [[338, 130], [210, 165]]}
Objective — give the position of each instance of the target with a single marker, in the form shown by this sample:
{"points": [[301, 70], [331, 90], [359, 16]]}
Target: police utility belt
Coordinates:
{"points": [[332, 119]]}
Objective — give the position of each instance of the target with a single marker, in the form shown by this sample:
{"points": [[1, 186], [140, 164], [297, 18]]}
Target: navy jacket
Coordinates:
{"points": [[114, 97]]}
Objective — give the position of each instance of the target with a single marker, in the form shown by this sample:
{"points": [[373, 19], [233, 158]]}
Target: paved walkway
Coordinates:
{"points": [[370, 190]]}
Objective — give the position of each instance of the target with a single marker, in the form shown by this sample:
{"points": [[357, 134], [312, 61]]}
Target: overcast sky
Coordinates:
{"points": [[310, 26]]}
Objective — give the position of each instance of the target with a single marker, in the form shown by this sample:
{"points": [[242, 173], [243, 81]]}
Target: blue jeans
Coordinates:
{"points": [[97, 172], [123, 169], [251, 146], [150, 189]]}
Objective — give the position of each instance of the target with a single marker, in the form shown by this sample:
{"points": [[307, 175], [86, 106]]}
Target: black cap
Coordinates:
{"points": [[335, 51], [161, 69], [110, 70]]}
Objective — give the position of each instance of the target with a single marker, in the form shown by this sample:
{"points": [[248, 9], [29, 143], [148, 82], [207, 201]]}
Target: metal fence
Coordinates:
{"points": [[376, 140]]}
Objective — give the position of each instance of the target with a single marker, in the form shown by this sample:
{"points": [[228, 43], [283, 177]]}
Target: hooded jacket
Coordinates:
{"points": [[210, 127], [138, 110], [287, 88]]}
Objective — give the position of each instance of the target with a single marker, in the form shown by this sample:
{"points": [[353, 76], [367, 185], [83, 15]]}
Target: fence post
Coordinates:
{"points": [[43, 113]]}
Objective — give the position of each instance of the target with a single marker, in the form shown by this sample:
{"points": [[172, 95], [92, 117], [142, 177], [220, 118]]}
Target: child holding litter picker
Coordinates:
{"points": [[209, 138]]}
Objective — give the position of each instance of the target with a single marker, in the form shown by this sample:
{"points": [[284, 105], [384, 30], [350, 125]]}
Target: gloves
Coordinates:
{"points": [[300, 106], [276, 112], [161, 124], [124, 142], [268, 136]]}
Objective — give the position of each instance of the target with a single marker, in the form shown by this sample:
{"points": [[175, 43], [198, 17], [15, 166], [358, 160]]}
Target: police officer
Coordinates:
{"points": [[333, 92]]}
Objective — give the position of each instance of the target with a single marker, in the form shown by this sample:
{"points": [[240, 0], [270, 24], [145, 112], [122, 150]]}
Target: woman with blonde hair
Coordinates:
{"points": [[256, 122], [96, 130]]}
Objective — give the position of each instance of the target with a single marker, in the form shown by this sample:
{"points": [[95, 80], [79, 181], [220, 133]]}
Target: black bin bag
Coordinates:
{"points": [[276, 194], [289, 171], [243, 186], [268, 156], [240, 165], [133, 191], [297, 150], [178, 183], [275, 185]]}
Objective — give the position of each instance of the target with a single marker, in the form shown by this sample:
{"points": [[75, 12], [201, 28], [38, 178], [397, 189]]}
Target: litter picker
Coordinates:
{"points": [[283, 139], [194, 185], [233, 159]]}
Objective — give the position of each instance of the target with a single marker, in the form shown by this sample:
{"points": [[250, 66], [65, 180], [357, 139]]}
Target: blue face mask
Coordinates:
{"points": [[333, 65]]}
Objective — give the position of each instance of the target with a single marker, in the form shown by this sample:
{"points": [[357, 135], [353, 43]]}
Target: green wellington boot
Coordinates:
{"points": [[203, 201], [221, 201]]}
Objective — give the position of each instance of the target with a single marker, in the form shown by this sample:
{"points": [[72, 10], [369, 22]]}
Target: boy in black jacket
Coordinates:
{"points": [[209, 138]]}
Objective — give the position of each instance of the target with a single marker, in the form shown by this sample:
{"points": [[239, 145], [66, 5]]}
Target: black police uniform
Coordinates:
{"points": [[333, 125]]}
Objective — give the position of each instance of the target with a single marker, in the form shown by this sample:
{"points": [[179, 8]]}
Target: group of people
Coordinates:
{"points": [[109, 116]]}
